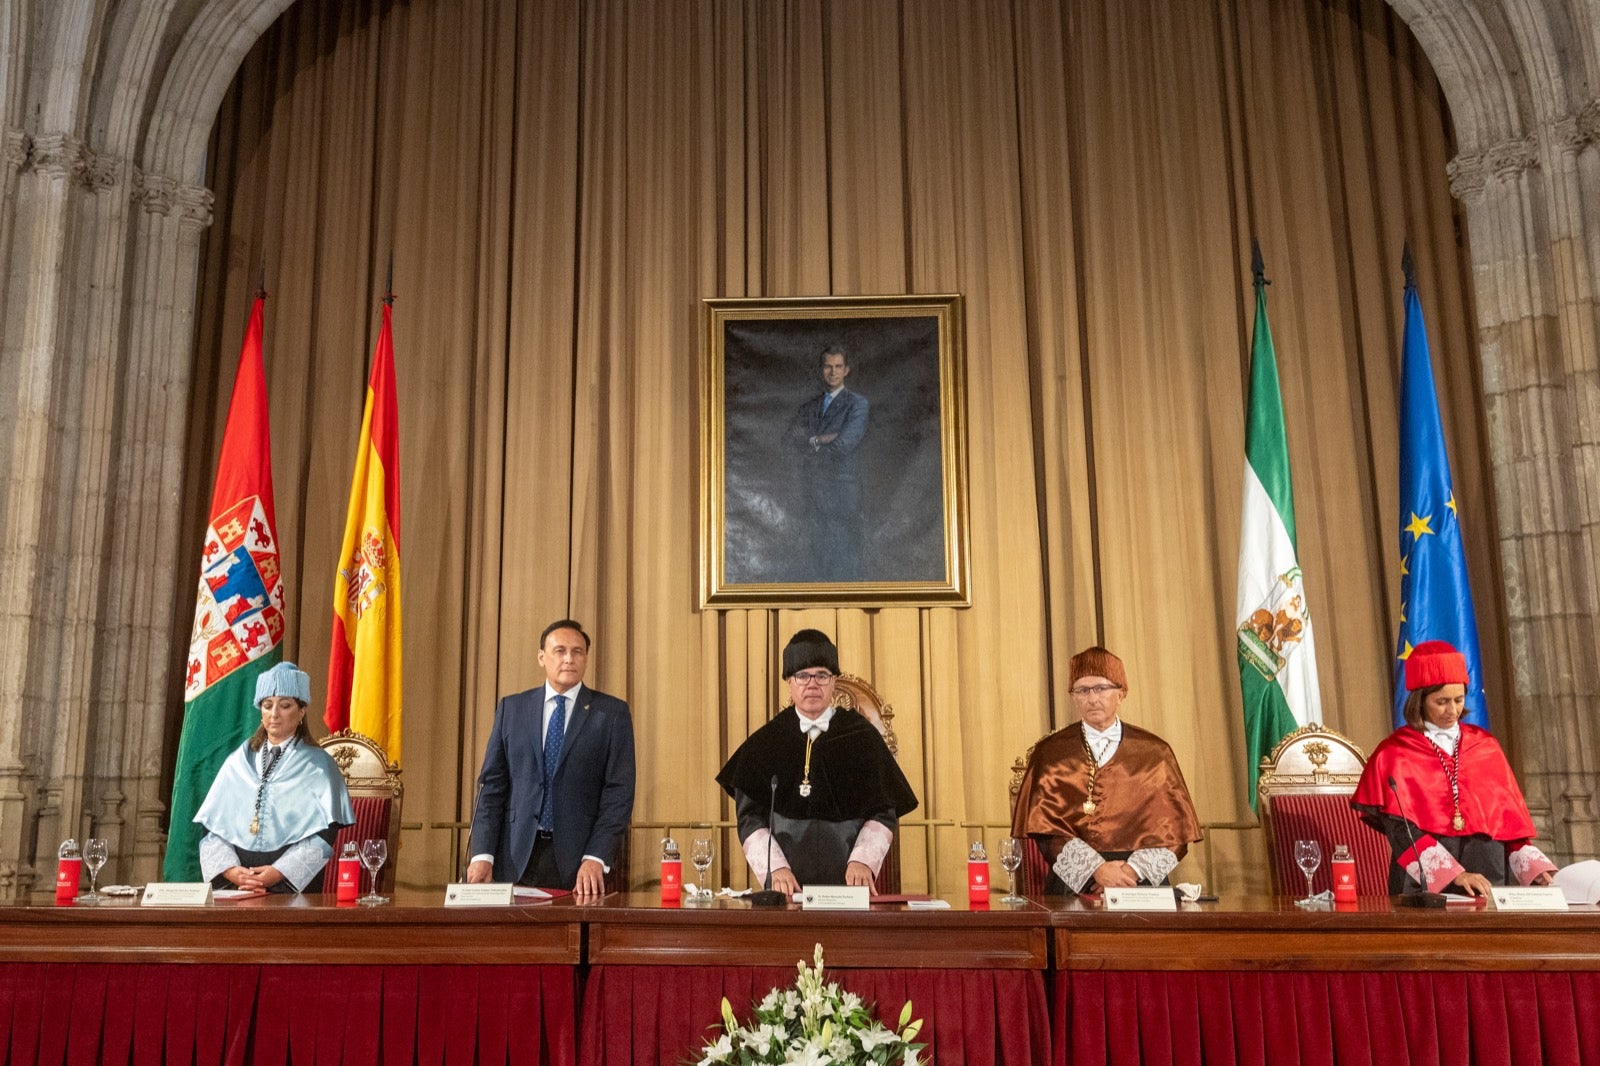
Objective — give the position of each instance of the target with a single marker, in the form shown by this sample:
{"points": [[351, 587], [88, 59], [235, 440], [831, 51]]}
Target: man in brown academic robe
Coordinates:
{"points": [[1104, 800]]}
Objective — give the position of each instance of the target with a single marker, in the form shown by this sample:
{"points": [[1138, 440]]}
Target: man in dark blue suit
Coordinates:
{"points": [[556, 790], [824, 434]]}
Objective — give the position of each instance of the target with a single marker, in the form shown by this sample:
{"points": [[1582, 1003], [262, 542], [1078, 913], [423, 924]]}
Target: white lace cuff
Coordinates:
{"points": [[1154, 865], [1076, 864], [216, 855], [1429, 863], [303, 861], [872, 845], [755, 853], [1528, 862]]}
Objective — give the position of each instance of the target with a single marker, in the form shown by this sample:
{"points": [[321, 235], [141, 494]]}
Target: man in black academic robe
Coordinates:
{"points": [[839, 795]]}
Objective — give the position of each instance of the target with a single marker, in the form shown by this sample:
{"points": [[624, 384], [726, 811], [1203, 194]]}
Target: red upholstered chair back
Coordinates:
{"points": [[1034, 871], [376, 794], [1304, 794], [617, 879]]}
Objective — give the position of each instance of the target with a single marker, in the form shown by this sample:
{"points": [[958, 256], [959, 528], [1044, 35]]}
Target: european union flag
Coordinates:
{"points": [[1435, 598]]}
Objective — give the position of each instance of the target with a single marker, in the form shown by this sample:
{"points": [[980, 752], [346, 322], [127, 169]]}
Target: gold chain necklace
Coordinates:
{"points": [[1452, 773], [1089, 804], [805, 784]]}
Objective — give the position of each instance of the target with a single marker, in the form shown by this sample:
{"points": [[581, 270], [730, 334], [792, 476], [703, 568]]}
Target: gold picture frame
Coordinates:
{"points": [[834, 478]]}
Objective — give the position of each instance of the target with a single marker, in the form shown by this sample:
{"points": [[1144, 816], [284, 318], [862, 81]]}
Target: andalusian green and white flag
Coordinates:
{"points": [[1277, 656]]}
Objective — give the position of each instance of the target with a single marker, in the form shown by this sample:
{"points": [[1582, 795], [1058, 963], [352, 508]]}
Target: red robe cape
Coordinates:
{"points": [[1491, 802]]}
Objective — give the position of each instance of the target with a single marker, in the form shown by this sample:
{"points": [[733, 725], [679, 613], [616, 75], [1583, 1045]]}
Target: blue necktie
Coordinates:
{"points": [[552, 753], [827, 399]]}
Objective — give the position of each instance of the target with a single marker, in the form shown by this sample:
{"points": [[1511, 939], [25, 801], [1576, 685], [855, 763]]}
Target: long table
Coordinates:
{"points": [[632, 980], [1265, 981], [276, 979]]}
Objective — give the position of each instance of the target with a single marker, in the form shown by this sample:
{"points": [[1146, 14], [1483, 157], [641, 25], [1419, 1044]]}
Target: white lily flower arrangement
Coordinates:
{"points": [[813, 1024]]}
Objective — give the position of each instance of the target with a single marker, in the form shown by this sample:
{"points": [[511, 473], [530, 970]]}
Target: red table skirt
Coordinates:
{"points": [[1369, 1019], [274, 1014], [648, 1015]]}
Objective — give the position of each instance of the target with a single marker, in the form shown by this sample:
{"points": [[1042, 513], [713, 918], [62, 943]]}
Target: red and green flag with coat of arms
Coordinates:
{"points": [[238, 615]]}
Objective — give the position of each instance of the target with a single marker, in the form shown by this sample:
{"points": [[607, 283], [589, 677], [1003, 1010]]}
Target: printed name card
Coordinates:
{"points": [[176, 894], [1532, 898], [485, 895], [835, 898], [1160, 898]]}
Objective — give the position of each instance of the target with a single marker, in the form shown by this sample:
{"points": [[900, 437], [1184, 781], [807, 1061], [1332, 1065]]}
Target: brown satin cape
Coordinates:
{"points": [[1141, 800]]}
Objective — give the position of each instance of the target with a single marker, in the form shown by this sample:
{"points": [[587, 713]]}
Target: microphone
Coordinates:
{"points": [[766, 897], [1431, 900]]}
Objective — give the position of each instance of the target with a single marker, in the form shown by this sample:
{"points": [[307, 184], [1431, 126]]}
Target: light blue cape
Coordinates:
{"points": [[305, 795]]}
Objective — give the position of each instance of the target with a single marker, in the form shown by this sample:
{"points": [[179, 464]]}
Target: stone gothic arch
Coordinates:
{"points": [[106, 109]]}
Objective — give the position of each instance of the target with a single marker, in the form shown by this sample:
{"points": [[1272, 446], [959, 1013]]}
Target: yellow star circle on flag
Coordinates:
{"points": [[1418, 526]]}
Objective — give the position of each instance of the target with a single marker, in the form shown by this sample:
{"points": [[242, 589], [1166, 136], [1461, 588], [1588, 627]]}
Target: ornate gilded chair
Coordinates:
{"points": [[1304, 794], [375, 793]]}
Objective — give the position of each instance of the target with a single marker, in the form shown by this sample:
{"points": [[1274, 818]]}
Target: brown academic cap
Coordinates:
{"points": [[1097, 662]]}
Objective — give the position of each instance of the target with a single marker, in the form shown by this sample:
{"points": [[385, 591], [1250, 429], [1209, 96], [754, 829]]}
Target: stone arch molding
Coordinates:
{"points": [[107, 107]]}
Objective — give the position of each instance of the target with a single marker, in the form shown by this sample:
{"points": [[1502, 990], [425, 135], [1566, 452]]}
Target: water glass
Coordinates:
{"points": [[1010, 861], [1308, 854], [373, 855], [700, 854], [95, 853]]}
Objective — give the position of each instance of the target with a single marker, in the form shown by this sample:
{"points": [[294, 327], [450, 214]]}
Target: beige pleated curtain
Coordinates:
{"points": [[561, 183]]}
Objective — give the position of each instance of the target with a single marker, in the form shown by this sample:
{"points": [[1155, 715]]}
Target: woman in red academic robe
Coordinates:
{"points": [[1443, 793]]}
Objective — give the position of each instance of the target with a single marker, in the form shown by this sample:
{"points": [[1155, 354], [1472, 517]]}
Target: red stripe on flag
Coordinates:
{"points": [[386, 424], [341, 667], [244, 465]]}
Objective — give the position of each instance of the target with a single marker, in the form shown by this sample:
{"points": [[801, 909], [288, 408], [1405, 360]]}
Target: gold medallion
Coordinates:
{"points": [[1088, 806], [1458, 823], [255, 827], [805, 788]]}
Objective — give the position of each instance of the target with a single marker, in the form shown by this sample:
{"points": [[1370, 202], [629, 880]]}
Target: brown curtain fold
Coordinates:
{"points": [[561, 183]]}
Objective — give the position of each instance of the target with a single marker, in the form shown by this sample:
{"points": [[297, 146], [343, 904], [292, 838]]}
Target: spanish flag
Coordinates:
{"points": [[364, 661]]}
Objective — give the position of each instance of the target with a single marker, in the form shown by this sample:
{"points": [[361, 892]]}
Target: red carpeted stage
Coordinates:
{"points": [[630, 981]]}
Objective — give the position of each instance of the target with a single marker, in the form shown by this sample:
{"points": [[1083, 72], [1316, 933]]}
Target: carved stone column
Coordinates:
{"points": [[143, 547], [93, 420], [41, 748], [1536, 306]]}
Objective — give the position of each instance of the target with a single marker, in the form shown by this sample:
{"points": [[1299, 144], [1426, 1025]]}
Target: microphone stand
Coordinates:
{"points": [[767, 897], [1429, 900]]}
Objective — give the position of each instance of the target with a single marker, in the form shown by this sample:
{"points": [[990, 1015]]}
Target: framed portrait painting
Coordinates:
{"points": [[833, 452]]}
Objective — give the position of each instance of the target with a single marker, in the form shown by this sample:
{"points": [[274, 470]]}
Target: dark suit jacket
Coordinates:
{"points": [[593, 783], [846, 416]]}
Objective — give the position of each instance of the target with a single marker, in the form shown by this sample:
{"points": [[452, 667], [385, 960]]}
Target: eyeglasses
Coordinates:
{"points": [[812, 677], [1091, 691]]}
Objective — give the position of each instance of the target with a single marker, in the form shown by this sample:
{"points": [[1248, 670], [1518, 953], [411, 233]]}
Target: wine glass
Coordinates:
{"points": [[95, 852], [1010, 860], [700, 854], [374, 853], [1308, 854]]}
